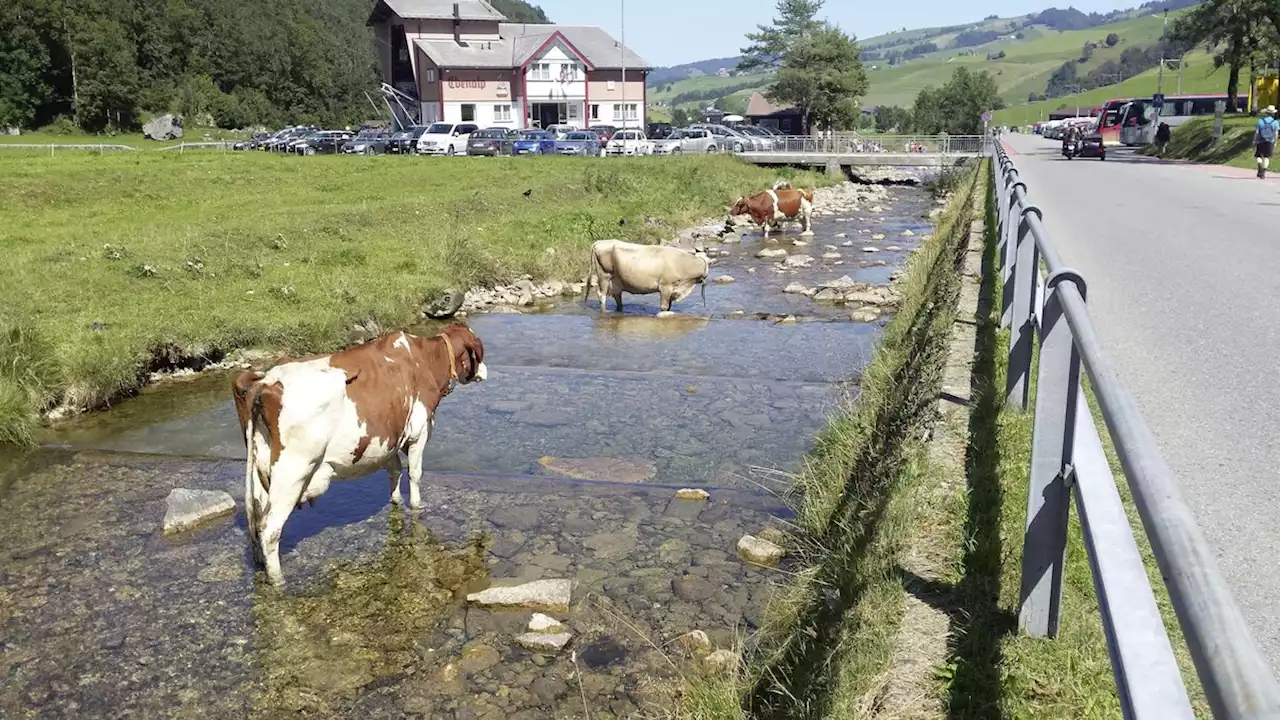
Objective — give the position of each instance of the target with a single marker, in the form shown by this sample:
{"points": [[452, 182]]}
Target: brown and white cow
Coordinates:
{"points": [[618, 267], [776, 205], [345, 415]]}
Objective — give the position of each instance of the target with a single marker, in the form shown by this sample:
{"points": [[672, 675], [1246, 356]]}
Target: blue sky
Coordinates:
{"points": [[671, 32]]}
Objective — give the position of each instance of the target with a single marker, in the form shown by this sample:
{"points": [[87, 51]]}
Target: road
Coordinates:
{"points": [[1181, 263]]}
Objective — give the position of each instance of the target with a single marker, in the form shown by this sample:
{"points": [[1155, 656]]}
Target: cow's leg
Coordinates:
{"points": [[289, 479], [617, 298], [415, 466], [603, 291], [664, 293], [394, 471], [766, 229]]}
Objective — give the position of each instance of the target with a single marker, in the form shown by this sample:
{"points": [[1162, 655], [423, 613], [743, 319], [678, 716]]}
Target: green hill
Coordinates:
{"points": [[1023, 54]]}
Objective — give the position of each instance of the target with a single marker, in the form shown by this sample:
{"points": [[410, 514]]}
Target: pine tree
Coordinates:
{"points": [[796, 19]]}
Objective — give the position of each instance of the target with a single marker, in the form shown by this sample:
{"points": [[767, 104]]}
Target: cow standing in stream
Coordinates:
{"points": [[340, 416], [773, 206], [618, 267]]}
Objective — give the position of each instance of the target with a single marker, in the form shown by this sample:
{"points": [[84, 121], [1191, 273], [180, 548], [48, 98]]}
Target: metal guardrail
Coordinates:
{"points": [[844, 143], [1067, 460]]}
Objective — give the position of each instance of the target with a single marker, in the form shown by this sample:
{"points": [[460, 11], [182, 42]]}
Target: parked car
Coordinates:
{"points": [[658, 131], [534, 142], [604, 132], [686, 140], [764, 140], [324, 142], [405, 142], [282, 139], [629, 142], [252, 143], [730, 139], [490, 142], [560, 130], [583, 142], [446, 139], [367, 142]]}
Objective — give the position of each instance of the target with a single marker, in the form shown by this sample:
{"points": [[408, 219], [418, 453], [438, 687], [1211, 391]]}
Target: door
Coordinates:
{"points": [[546, 114]]}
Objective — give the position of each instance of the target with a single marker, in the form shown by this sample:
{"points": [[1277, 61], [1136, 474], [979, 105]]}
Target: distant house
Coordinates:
{"points": [[723, 72], [784, 118], [461, 62]]}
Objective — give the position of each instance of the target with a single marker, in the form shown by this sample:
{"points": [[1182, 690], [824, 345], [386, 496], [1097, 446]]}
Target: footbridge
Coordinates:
{"points": [[834, 153]]}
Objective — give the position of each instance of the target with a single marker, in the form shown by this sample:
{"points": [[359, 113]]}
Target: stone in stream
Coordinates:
{"points": [[799, 243], [771, 253], [878, 236], [807, 233], [543, 642], [186, 509], [798, 261], [696, 643], [845, 235], [540, 623], [692, 494], [719, 661], [870, 249], [694, 589], [907, 233], [759, 552], [843, 282], [831, 256], [548, 595], [796, 288], [828, 295], [847, 243], [625, 469], [865, 315], [722, 279], [893, 248]]}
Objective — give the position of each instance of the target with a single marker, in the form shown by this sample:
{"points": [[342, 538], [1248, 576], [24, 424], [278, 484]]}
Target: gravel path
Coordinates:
{"points": [[1181, 263]]}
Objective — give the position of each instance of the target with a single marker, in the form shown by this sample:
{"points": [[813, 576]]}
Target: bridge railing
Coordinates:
{"points": [[848, 143], [1068, 462]]}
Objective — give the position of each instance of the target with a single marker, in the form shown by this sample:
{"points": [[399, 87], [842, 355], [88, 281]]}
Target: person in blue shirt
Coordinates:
{"points": [[1264, 139]]}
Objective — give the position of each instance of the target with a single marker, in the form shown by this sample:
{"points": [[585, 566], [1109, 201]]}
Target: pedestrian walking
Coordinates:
{"points": [[1264, 139], [1162, 139]]}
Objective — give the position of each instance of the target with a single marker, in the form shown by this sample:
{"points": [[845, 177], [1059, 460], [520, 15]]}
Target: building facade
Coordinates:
{"points": [[461, 62]]}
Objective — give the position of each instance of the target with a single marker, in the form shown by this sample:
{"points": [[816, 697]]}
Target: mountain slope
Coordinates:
{"points": [[1020, 52]]}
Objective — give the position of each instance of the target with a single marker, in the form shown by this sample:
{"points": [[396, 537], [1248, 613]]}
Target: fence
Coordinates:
{"points": [[1067, 460], [848, 143]]}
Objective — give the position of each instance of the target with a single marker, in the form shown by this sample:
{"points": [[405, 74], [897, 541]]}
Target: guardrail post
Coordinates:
{"points": [[1026, 271], [1044, 549]]}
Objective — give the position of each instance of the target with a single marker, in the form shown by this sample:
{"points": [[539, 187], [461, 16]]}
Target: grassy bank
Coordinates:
{"points": [[994, 671], [115, 262], [829, 633], [1194, 141]]}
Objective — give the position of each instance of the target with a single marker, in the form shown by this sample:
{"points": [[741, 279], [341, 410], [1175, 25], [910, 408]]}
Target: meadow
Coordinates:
{"points": [[116, 264]]}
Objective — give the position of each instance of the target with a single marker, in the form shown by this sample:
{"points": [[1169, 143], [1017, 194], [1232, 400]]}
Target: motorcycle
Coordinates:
{"points": [[1071, 148]]}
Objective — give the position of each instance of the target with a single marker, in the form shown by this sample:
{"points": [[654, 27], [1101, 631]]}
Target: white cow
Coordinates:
{"points": [[618, 267]]}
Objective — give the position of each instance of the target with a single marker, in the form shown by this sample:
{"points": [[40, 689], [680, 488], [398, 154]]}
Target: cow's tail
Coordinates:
{"points": [[252, 513]]}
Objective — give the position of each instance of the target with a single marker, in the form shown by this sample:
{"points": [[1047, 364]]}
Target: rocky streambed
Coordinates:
{"points": [[627, 460]]}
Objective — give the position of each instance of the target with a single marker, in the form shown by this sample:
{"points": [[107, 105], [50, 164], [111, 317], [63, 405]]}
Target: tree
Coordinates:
{"points": [[796, 19], [891, 118], [956, 107], [1112, 40], [1086, 52], [822, 74], [680, 117], [1228, 28]]}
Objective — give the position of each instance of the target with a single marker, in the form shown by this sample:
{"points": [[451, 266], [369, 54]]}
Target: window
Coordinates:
{"points": [[574, 112], [502, 113], [569, 72], [595, 112], [431, 75], [404, 55], [540, 71], [624, 112], [468, 112]]}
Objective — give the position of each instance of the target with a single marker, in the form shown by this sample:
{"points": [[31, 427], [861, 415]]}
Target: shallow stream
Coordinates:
{"points": [[104, 616]]}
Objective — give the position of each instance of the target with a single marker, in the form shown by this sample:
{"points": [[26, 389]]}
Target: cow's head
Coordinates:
{"points": [[468, 353], [739, 207]]}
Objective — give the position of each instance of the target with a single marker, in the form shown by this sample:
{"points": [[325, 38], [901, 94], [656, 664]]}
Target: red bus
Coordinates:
{"points": [[1110, 122]]}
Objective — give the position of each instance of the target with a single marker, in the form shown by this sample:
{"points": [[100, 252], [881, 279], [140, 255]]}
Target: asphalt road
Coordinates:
{"points": [[1182, 265]]}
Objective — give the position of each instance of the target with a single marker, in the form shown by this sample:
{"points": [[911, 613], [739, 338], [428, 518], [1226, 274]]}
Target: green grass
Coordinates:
{"points": [[1194, 141], [995, 671], [112, 260], [1026, 67], [829, 634], [135, 140], [1199, 76]]}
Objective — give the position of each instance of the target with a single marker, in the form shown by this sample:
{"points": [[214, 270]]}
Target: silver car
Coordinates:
{"points": [[686, 140]]}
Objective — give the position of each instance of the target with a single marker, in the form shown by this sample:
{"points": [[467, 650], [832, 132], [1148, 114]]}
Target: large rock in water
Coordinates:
{"points": [[546, 595], [624, 469], [189, 508], [164, 127]]}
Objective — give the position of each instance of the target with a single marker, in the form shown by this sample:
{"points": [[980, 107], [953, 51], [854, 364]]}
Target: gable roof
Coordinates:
{"points": [[434, 10], [520, 42], [758, 104]]}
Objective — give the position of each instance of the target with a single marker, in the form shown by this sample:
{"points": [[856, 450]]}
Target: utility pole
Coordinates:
{"points": [[623, 7]]}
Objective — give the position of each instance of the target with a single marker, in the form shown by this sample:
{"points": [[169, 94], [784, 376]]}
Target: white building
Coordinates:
{"points": [[461, 62]]}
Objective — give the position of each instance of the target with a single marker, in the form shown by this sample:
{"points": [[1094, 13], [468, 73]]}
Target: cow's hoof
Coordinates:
{"points": [[665, 314], [807, 233]]}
